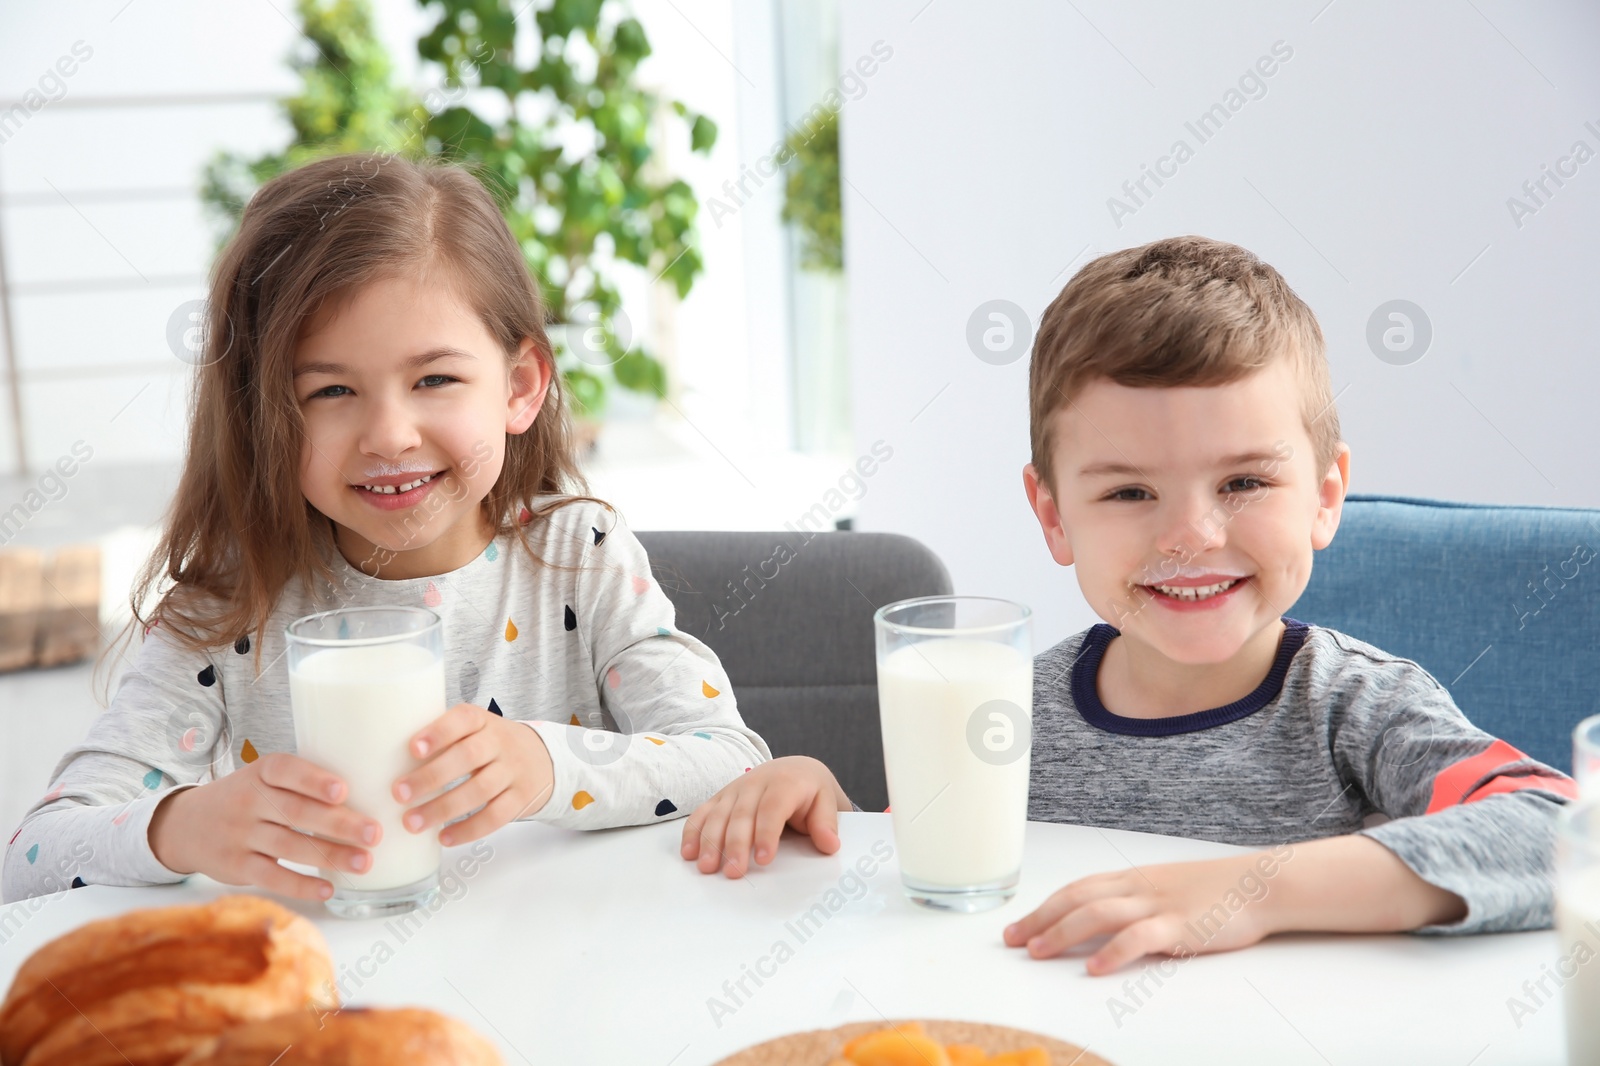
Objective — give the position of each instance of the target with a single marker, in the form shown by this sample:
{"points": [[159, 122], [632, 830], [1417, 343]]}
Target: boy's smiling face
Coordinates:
{"points": [[403, 382], [1189, 487]]}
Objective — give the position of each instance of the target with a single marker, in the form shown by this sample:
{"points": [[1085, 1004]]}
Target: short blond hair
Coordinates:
{"points": [[1183, 311]]}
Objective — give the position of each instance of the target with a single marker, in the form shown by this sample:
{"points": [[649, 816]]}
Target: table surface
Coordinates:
{"points": [[606, 947]]}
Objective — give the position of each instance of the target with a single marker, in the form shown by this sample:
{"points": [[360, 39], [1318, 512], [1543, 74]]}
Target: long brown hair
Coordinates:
{"points": [[239, 529]]}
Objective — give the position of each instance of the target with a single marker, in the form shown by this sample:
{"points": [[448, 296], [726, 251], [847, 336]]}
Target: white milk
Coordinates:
{"points": [[958, 820], [1578, 922], [354, 711]]}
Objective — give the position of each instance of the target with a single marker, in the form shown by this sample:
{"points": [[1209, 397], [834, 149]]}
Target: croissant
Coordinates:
{"points": [[148, 986], [350, 1037]]}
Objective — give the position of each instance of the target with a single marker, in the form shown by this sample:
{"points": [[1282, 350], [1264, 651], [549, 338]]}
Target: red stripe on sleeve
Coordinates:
{"points": [[1452, 784]]}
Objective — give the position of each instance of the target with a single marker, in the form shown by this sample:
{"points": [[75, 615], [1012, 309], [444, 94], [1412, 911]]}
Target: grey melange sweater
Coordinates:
{"points": [[1337, 732], [581, 650]]}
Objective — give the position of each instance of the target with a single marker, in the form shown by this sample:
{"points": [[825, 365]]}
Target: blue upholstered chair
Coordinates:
{"points": [[1501, 604]]}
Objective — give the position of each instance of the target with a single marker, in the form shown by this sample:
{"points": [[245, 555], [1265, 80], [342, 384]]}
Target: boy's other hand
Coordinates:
{"points": [[1177, 909], [751, 812], [1343, 884], [508, 771], [236, 828]]}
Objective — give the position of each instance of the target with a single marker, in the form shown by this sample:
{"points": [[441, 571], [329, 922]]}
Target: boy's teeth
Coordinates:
{"points": [[390, 490], [1204, 592]]}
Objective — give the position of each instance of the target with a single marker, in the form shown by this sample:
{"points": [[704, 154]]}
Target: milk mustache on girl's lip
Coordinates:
{"points": [[422, 475]]}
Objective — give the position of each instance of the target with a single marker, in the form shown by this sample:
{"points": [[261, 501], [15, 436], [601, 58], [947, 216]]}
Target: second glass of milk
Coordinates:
{"points": [[362, 682], [955, 700]]}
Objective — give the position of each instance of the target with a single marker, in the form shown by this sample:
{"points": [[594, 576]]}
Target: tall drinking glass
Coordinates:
{"points": [[955, 700], [362, 681], [1578, 923], [1586, 756]]}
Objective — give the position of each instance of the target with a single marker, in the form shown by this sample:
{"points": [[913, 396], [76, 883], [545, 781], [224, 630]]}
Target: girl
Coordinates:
{"points": [[377, 420]]}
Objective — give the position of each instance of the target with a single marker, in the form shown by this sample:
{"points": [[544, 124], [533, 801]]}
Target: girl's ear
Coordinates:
{"points": [[530, 382]]}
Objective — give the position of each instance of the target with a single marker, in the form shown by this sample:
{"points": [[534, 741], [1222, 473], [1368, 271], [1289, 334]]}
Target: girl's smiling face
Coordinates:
{"points": [[402, 383]]}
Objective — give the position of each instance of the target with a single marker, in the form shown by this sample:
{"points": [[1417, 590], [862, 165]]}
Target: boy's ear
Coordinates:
{"points": [[530, 383], [1330, 498], [1044, 508]]}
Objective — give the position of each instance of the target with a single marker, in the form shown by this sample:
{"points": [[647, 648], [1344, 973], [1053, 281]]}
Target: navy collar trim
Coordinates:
{"points": [[1086, 697]]}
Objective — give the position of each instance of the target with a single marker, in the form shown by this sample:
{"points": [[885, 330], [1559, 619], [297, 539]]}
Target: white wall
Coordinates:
{"points": [[1377, 166]]}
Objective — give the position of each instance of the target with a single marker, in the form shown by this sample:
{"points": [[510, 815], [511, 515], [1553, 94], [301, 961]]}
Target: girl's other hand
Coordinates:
{"points": [[236, 828], [797, 791]]}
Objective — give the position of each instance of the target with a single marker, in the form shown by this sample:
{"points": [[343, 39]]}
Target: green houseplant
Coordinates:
{"points": [[347, 103], [576, 212]]}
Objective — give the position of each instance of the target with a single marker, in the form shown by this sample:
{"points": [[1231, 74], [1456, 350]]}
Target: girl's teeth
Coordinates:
{"points": [[1204, 592], [390, 490]]}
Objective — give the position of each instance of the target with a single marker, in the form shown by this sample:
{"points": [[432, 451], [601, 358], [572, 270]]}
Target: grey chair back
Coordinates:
{"points": [[790, 616]]}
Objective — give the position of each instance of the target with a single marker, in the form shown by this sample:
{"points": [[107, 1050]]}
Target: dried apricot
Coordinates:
{"points": [[910, 1045], [906, 1046]]}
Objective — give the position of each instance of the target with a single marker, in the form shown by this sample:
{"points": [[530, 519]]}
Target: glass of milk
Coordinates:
{"points": [[1578, 925], [955, 699], [1586, 756], [362, 682]]}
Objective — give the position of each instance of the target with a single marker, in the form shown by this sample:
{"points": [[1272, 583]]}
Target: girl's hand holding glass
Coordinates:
{"points": [[508, 769], [236, 828]]}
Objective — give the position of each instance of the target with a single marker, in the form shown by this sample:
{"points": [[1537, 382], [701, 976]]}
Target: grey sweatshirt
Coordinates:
{"points": [[582, 650], [1337, 732]]}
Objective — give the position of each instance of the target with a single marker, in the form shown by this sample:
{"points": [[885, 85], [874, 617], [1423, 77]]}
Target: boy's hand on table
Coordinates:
{"points": [[508, 769], [1344, 884], [1176, 909], [797, 791]]}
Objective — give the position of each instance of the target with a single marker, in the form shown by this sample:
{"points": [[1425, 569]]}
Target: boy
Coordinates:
{"points": [[1187, 462]]}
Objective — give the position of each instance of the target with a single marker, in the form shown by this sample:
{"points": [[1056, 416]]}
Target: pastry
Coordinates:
{"points": [[148, 986]]}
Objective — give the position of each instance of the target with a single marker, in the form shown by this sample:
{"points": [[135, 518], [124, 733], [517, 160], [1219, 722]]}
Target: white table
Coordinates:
{"points": [[606, 947]]}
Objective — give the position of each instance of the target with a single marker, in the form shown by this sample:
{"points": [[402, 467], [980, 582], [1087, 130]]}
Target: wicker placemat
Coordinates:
{"points": [[821, 1046]]}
